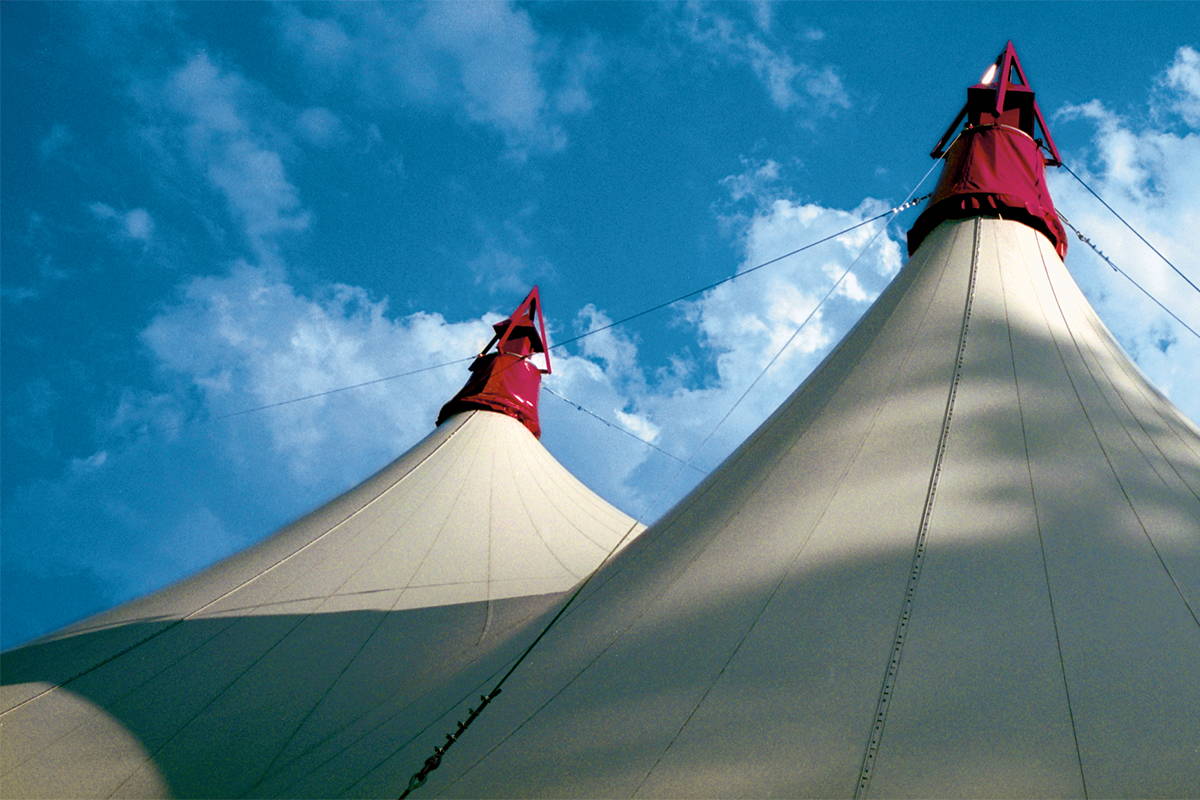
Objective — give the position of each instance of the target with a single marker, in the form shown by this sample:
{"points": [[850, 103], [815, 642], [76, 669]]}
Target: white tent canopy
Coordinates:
{"points": [[215, 685], [963, 559]]}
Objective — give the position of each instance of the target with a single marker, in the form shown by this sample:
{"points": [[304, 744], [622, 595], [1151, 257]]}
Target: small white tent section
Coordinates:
{"points": [[963, 559], [213, 685]]}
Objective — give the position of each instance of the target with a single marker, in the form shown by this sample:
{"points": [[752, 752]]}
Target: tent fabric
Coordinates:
{"points": [[963, 559], [217, 685], [994, 170]]}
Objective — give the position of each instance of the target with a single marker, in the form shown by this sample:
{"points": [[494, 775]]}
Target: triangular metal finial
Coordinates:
{"points": [[506, 380], [1003, 96]]}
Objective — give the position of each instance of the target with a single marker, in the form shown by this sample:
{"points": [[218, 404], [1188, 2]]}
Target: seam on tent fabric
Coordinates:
{"points": [[491, 540], [1037, 518], [607, 516], [541, 538], [151, 756], [1092, 324], [479, 686], [1104, 450], [884, 398], [551, 501], [1108, 379], [1155, 400], [469, 465], [906, 607], [1151, 401]]}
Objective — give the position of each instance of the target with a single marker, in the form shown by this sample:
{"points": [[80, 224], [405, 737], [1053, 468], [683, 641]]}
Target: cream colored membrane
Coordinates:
{"points": [[738, 647], [1117, 548], [361, 553], [141, 619], [669, 621], [980, 702], [973, 709]]}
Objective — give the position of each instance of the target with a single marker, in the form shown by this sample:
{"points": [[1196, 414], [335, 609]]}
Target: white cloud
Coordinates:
{"points": [[136, 223], [94, 461], [755, 181], [249, 338], [229, 143], [499, 270], [1147, 174], [320, 126], [507, 261], [1179, 87], [582, 68], [763, 14], [789, 83], [483, 58], [739, 328]]}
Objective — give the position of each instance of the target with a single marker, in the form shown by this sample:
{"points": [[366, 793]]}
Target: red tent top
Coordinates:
{"points": [[995, 165], [507, 380]]}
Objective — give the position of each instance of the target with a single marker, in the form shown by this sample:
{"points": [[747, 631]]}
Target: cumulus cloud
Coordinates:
{"points": [[1179, 87], [136, 223], [249, 338], [226, 139], [755, 181], [789, 83], [1146, 174], [769, 320], [484, 59]]}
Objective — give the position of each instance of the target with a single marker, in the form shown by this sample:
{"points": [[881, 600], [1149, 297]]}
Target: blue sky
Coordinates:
{"points": [[213, 206]]}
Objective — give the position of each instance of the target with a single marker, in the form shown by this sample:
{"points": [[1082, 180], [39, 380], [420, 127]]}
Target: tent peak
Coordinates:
{"points": [[506, 380], [1003, 96], [995, 164]]}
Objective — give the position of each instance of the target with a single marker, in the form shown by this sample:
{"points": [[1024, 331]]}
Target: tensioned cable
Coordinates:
{"points": [[1125, 274], [620, 428], [1127, 225], [434, 761], [908, 203], [326, 392]]}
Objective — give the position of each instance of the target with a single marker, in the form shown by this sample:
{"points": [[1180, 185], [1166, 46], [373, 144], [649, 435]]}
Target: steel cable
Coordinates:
{"points": [[1127, 225]]}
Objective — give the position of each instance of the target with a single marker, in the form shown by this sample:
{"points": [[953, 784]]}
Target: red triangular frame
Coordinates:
{"points": [[1006, 64], [529, 306]]}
